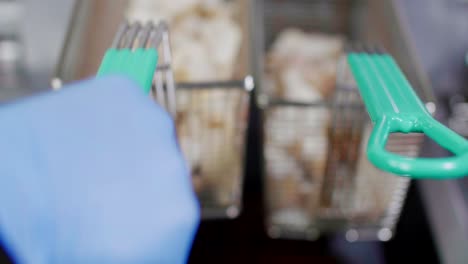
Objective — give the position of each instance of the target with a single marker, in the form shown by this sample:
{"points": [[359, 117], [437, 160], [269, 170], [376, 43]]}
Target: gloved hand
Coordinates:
{"points": [[93, 174]]}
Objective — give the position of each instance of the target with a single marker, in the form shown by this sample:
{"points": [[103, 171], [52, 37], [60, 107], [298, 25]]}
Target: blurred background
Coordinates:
{"points": [[270, 121]]}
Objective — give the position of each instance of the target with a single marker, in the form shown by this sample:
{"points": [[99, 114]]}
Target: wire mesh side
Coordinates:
{"points": [[380, 196], [295, 153], [344, 136], [211, 125]]}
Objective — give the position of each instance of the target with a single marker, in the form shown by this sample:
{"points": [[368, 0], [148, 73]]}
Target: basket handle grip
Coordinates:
{"points": [[433, 168]]}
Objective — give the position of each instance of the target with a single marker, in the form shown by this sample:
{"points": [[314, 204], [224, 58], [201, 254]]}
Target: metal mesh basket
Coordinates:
{"points": [[211, 115], [317, 176]]}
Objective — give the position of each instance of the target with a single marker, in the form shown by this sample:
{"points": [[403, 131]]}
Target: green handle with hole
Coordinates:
{"points": [[393, 106]]}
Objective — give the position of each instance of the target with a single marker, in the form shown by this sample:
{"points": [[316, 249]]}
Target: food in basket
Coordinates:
{"points": [[300, 67], [303, 65], [205, 44], [205, 37]]}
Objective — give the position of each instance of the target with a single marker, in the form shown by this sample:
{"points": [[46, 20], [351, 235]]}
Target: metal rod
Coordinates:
{"points": [[119, 35], [215, 84], [155, 37], [159, 89], [163, 67], [142, 36], [170, 91], [131, 35]]}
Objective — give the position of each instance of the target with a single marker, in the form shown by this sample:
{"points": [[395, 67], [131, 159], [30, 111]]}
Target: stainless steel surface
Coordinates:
{"points": [[90, 33], [438, 32], [34, 60], [10, 43], [458, 120]]}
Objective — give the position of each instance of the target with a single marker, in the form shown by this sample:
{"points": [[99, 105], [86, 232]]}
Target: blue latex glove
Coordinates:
{"points": [[93, 174]]}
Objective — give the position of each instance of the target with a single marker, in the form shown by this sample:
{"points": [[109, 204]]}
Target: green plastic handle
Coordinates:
{"points": [[138, 64], [393, 106]]}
